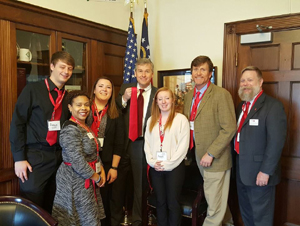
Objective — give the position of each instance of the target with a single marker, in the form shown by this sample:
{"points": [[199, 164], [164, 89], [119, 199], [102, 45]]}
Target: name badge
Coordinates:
{"points": [[98, 167], [101, 141], [161, 155], [253, 122], [53, 125], [90, 135], [192, 125]]}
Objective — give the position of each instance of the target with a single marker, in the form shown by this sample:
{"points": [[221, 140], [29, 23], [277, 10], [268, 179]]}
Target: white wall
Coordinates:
{"points": [[179, 30]]}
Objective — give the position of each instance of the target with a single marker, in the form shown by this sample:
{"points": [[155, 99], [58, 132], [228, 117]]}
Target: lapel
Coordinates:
{"points": [[205, 99], [152, 94], [255, 108]]}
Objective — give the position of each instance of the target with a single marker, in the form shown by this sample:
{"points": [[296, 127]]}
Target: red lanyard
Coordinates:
{"points": [[161, 133], [102, 112], [88, 130], [97, 119], [196, 102], [56, 105]]}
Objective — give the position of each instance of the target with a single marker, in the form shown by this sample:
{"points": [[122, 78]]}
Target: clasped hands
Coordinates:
{"points": [[158, 166]]}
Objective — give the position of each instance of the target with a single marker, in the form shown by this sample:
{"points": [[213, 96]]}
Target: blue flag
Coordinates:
{"points": [[145, 47], [130, 55]]}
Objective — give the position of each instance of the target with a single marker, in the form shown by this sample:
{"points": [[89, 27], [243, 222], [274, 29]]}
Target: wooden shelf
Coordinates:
{"points": [[33, 63]]}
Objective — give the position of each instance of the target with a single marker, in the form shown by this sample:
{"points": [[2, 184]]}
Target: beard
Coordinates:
{"points": [[248, 96]]}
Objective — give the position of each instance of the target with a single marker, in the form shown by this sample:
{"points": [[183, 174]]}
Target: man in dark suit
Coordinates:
{"points": [[258, 143], [134, 156]]}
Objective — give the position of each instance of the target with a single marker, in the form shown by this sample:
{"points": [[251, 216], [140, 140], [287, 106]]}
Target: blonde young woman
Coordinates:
{"points": [[106, 122], [166, 145]]}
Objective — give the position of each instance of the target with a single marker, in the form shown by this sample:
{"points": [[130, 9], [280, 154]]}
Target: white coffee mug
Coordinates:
{"points": [[25, 55]]}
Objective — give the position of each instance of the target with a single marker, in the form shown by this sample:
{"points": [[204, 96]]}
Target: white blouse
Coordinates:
{"points": [[175, 144]]}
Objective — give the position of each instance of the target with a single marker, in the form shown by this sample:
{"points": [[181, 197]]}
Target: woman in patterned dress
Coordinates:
{"points": [[77, 200], [106, 122]]}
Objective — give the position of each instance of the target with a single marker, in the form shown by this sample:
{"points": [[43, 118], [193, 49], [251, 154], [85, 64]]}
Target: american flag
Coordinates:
{"points": [[130, 55], [145, 47]]}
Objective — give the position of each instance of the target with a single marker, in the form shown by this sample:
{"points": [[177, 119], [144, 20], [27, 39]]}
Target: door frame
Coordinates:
{"points": [[231, 41], [230, 75]]}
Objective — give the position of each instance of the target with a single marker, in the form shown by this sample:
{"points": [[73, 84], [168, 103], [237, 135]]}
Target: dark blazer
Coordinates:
{"points": [[113, 139], [126, 110], [261, 146]]}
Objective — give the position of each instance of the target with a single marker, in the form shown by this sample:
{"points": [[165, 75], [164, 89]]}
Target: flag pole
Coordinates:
{"points": [[131, 9], [145, 4]]}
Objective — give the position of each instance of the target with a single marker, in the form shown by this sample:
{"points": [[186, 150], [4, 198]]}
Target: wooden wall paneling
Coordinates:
{"points": [[266, 57], [296, 56], [293, 200], [271, 88], [295, 118], [93, 65], [280, 213], [280, 22], [114, 63], [24, 13], [8, 97], [229, 61]]}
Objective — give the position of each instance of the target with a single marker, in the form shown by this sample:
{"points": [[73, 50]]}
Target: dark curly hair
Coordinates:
{"points": [[76, 93]]}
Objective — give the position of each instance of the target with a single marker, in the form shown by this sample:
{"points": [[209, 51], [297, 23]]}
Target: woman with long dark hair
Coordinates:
{"points": [[107, 124]]}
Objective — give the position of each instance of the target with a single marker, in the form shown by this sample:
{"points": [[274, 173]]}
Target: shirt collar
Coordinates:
{"points": [[146, 89], [52, 86], [202, 90]]}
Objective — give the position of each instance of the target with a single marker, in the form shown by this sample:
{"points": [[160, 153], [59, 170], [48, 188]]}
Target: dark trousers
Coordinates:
{"points": [[133, 161], [256, 203], [40, 186], [167, 187]]}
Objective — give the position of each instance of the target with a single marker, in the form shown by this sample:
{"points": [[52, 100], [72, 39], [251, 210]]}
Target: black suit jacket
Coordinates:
{"points": [[113, 139], [261, 146], [126, 110]]}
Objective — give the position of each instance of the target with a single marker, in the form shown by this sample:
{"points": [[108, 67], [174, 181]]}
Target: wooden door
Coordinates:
{"points": [[280, 65], [110, 63]]}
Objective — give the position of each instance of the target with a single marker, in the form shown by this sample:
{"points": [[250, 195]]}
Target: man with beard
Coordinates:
{"points": [[258, 143]]}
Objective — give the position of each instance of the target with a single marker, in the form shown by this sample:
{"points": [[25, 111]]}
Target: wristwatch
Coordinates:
{"points": [[210, 155]]}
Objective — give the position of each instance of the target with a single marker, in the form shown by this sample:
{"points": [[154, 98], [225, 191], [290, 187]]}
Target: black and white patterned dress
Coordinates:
{"points": [[73, 203]]}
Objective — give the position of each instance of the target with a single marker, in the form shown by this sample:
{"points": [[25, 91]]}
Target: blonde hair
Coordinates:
{"points": [[112, 107], [155, 111]]}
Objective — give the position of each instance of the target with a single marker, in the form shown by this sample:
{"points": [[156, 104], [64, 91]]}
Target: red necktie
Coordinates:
{"points": [[192, 118], [136, 114], [245, 113], [52, 135], [140, 104]]}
